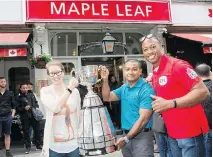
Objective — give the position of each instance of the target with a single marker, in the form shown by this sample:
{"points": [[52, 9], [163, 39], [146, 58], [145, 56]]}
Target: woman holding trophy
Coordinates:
{"points": [[62, 105]]}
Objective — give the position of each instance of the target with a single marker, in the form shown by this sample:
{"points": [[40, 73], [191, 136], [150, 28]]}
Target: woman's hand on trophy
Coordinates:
{"points": [[73, 83], [104, 73]]}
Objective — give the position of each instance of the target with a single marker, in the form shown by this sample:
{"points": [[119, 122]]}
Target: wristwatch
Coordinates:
{"points": [[175, 103], [126, 139], [69, 90]]}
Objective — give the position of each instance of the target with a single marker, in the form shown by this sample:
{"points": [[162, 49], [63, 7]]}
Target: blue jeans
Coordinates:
{"points": [[164, 147], [74, 153], [188, 147], [208, 143]]}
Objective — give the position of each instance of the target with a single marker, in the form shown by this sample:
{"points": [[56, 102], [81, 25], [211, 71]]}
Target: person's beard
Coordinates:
{"points": [[2, 87], [24, 92]]}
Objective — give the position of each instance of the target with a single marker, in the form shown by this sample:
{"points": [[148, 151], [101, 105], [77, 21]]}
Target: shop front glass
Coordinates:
{"points": [[68, 44]]}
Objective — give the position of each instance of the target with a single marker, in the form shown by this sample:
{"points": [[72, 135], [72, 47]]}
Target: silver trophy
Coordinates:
{"points": [[96, 131]]}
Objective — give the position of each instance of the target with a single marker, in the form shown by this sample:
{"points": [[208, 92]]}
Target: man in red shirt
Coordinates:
{"points": [[179, 94]]}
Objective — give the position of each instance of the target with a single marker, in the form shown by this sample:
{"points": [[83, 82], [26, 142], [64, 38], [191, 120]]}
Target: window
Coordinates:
{"points": [[97, 37], [69, 69], [64, 44], [133, 44]]}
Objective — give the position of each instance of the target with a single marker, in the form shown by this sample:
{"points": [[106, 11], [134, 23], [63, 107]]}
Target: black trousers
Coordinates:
{"points": [[26, 123], [115, 112]]}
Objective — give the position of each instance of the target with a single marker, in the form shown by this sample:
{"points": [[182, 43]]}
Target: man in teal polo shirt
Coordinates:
{"points": [[136, 110]]}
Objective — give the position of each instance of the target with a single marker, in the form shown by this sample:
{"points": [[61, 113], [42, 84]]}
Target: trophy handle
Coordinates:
{"points": [[99, 69], [72, 73], [75, 74]]}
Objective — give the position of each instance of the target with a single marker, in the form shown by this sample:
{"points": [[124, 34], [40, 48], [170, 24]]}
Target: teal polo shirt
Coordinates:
{"points": [[132, 99]]}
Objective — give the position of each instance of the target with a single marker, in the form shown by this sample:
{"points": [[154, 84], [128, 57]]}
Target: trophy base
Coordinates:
{"points": [[96, 152]]}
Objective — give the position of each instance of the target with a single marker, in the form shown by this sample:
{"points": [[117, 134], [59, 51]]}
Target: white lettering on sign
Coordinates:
{"points": [[139, 11], [148, 10], [118, 11], [84, 7], [125, 10], [74, 9], [58, 11], [104, 9], [128, 10], [93, 10]]}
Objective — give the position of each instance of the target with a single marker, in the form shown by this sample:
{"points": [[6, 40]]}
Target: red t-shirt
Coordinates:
{"points": [[174, 79]]}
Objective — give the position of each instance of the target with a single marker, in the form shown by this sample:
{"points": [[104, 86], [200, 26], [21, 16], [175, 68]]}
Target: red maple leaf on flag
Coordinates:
{"points": [[210, 12]]}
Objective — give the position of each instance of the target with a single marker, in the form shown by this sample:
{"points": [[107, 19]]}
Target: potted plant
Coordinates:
{"points": [[40, 61]]}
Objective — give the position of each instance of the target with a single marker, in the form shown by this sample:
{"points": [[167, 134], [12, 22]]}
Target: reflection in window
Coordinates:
{"points": [[97, 37], [132, 43], [64, 44], [69, 69]]}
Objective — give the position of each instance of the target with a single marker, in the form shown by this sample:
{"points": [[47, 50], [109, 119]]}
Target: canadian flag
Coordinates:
{"points": [[210, 13], [12, 52]]}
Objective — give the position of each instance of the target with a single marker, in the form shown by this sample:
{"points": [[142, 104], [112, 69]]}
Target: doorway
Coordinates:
{"points": [[17, 76], [16, 72]]}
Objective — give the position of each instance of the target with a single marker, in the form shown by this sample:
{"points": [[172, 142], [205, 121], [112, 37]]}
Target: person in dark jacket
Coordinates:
{"points": [[115, 106], [203, 70], [42, 122], [7, 113], [26, 101]]}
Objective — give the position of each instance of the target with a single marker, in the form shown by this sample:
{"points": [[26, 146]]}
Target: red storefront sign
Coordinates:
{"points": [[207, 50], [13, 52], [98, 11]]}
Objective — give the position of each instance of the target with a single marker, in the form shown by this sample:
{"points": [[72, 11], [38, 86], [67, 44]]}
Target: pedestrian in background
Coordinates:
{"points": [[115, 106], [26, 102], [7, 113], [204, 71], [41, 108]]}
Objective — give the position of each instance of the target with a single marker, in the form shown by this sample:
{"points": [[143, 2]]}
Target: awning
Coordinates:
{"points": [[203, 38], [13, 38]]}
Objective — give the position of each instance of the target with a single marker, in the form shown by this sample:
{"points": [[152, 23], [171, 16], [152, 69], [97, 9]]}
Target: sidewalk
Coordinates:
{"points": [[18, 151]]}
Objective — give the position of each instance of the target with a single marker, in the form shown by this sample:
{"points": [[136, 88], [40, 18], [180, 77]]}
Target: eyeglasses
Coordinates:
{"points": [[55, 73], [147, 37]]}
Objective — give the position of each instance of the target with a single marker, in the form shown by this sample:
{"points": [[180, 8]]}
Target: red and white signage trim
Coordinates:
{"points": [[207, 50], [13, 52], [98, 11]]}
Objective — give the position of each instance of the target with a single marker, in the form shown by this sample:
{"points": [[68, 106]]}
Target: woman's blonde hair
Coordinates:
{"points": [[54, 62]]}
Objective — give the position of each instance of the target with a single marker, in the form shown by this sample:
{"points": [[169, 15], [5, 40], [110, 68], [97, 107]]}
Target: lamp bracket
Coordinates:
{"points": [[88, 45], [93, 44]]}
